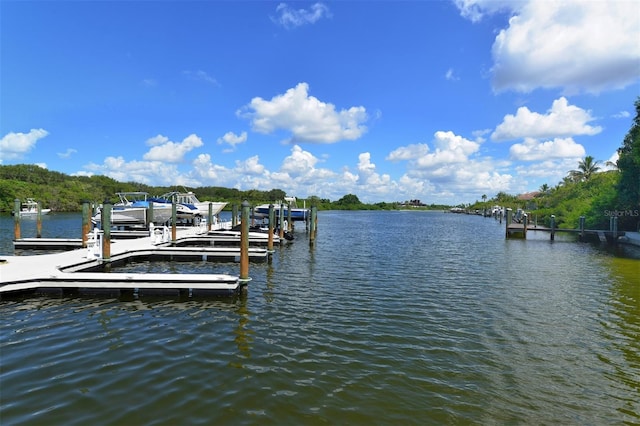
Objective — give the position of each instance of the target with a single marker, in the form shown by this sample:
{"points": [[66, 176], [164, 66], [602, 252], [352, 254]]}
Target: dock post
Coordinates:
{"points": [[289, 221], [615, 228], [315, 217], [507, 221], [85, 222], [210, 217], [525, 223], [38, 220], [234, 215], [312, 229], [581, 228], [271, 220], [500, 214], [16, 219], [244, 242], [281, 222], [150, 218], [174, 213], [553, 227], [106, 229]]}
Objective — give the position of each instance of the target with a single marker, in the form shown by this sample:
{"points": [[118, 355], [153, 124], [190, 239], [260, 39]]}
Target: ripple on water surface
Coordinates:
{"points": [[391, 317]]}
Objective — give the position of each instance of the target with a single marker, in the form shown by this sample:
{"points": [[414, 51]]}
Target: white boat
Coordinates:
{"points": [[133, 209], [297, 213], [29, 208], [189, 200]]}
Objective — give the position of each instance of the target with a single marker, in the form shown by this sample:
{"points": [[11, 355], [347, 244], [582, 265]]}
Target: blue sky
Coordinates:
{"points": [[441, 101]]}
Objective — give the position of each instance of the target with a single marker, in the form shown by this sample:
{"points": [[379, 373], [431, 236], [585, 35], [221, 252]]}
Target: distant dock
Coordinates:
{"points": [[520, 230]]}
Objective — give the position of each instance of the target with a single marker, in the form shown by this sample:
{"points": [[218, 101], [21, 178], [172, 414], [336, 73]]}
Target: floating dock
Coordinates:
{"points": [[75, 270]]}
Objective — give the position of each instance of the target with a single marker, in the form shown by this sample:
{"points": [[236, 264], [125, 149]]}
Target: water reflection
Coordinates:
{"points": [[623, 332], [243, 335], [268, 293]]}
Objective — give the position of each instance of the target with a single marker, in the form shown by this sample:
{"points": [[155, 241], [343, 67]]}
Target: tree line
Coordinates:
{"points": [[64, 193]]}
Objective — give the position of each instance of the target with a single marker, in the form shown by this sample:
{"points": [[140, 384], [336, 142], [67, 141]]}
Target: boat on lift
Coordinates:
{"points": [[29, 208], [297, 213], [132, 209], [198, 209]]}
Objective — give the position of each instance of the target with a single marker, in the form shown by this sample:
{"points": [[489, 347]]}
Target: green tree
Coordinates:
{"points": [[349, 201], [586, 169], [629, 167]]}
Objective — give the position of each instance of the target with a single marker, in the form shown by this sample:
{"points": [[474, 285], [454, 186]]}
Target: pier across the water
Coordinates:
{"points": [[520, 230]]}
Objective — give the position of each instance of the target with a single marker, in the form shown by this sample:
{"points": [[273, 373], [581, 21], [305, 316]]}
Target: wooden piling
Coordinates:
{"points": [[210, 217], [508, 222], [150, 218], [174, 214], [271, 220], [244, 242], [85, 222], [281, 222], [38, 220], [525, 223], [16, 219], [106, 231], [553, 227], [581, 228], [312, 228], [289, 221]]}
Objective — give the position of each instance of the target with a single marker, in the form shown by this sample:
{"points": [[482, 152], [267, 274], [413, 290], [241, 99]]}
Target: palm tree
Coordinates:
{"points": [[544, 188], [586, 169]]}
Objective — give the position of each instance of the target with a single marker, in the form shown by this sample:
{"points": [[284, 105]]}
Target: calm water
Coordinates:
{"points": [[392, 318]]}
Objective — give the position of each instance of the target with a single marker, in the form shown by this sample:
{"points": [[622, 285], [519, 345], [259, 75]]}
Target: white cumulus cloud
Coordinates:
{"points": [[306, 117], [172, 152], [561, 120], [408, 152], [299, 162], [450, 148], [232, 140], [16, 145], [577, 45], [532, 149]]}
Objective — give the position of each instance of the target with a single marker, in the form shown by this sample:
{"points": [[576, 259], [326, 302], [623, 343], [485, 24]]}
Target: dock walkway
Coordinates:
{"points": [[69, 269], [520, 229]]}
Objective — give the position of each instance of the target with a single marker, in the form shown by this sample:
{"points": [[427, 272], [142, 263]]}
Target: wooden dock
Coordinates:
{"points": [[520, 230], [75, 270]]}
